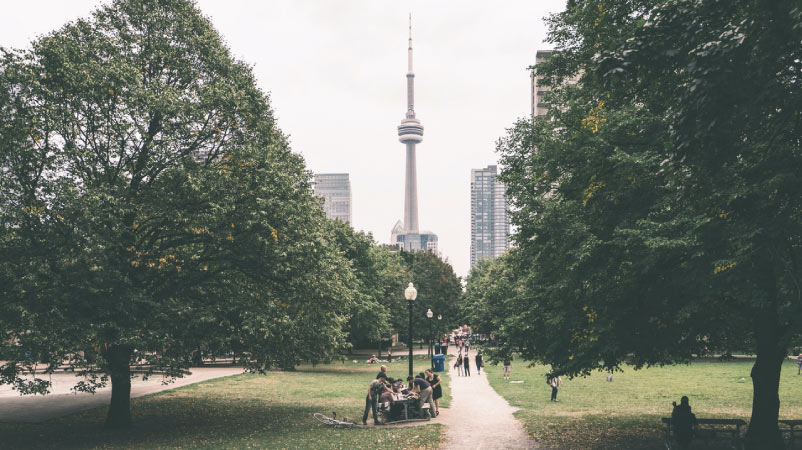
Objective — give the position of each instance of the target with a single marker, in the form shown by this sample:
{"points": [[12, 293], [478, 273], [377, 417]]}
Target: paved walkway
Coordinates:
{"points": [[479, 418], [34, 409]]}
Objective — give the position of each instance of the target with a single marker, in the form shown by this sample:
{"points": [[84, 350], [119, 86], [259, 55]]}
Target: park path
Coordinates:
{"points": [[35, 409], [479, 418]]}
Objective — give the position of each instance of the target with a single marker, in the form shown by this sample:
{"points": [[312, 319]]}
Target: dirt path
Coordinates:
{"points": [[479, 418]]}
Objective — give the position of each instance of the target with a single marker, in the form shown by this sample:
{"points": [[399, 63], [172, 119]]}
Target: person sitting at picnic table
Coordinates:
{"points": [[424, 390], [683, 421]]}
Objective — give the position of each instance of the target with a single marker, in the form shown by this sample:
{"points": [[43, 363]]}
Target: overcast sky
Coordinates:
{"points": [[335, 71]]}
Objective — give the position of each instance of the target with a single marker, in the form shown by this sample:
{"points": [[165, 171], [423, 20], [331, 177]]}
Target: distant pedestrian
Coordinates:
{"points": [[466, 364], [799, 364], [555, 382], [479, 362], [507, 368], [458, 364]]}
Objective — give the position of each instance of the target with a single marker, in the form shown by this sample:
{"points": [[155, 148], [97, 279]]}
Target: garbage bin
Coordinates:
{"points": [[439, 362], [437, 348]]}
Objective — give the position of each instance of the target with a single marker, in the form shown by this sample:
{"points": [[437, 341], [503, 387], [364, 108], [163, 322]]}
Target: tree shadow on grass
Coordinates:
{"points": [[168, 422]]}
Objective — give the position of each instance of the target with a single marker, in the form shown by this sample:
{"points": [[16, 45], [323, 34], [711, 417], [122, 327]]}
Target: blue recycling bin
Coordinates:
{"points": [[439, 362]]}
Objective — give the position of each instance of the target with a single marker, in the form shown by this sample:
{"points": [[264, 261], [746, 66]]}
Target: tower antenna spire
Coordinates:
{"points": [[409, 65]]}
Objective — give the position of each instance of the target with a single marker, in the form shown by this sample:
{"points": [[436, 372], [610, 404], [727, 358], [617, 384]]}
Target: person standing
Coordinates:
{"points": [[799, 364], [372, 399], [437, 390], [458, 364], [507, 368], [466, 365], [382, 372], [555, 383], [424, 389], [478, 359]]}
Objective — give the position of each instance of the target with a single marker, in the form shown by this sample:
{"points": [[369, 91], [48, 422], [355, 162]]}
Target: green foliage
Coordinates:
{"points": [[439, 288], [150, 206], [658, 204], [380, 282]]}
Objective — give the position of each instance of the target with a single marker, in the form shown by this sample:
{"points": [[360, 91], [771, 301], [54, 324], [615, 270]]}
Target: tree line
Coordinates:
{"points": [[658, 204], [152, 210]]}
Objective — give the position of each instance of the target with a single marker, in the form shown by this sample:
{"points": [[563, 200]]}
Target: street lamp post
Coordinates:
{"points": [[429, 314], [410, 293], [439, 328]]}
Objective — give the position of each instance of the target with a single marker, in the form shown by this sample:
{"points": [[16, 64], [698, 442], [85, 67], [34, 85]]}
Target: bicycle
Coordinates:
{"points": [[333, 422]]}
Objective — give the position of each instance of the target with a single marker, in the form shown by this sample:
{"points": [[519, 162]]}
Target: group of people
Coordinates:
{"points": [[384, 389], [463, 363]]}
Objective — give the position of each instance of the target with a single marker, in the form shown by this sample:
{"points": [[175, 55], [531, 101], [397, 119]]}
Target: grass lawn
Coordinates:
{"points": [[625, 414], [245, 411]]}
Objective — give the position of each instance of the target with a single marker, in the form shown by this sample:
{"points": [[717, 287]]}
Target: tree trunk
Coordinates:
{"points": [[118, 357], [763, 433]]}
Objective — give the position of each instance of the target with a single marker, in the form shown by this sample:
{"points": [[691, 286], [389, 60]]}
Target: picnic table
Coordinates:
{"points": [[405, 402], [710, 428]]}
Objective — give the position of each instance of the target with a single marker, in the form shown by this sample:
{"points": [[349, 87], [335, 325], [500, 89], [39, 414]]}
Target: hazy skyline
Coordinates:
{"points": [[335, 72]]}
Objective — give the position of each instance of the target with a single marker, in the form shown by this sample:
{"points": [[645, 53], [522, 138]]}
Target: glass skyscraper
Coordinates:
{"points": [[335, 188], [490, 223]]}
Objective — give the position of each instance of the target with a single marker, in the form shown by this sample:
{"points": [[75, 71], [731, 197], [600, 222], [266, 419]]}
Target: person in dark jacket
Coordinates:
{"points": [[479, 362], [466, 364], [683, 421]]}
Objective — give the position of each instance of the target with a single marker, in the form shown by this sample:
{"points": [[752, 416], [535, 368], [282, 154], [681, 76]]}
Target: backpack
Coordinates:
{"points": [[548, 379]]}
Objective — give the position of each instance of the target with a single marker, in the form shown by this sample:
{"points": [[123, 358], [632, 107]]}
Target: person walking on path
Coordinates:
{"points": [[799, 363], [372, 399], [466, 365], [478, 359], [437, 390], [507, 368], [458, 364], [555, 383]]}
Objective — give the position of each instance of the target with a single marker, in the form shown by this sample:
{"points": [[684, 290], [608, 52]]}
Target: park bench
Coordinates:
{"points": [[791, 430], [709, 429]]}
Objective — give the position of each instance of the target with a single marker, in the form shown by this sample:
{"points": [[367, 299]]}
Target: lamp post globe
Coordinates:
{"points": [[410, 293]]}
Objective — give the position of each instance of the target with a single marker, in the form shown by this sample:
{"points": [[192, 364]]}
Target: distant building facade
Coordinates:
{"points": [[490, 222], [335, 189], [539, 105]]}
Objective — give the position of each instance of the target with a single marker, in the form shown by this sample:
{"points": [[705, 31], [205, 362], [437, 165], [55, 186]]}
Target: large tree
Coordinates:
{"points": [[439, 288], [659, 204], [150, 206]]}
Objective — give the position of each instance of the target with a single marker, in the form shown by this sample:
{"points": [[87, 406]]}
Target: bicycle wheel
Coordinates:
{"points": [[324, 419]]}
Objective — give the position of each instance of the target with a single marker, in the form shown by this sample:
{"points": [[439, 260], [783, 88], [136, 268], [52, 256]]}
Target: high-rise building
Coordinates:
{"points": [[490, 223], [335, 188], [406, 234], [539, 106]]}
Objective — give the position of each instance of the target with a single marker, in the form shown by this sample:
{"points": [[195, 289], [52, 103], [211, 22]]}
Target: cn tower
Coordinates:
{"points": [[410, 133], [406, 234]]}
